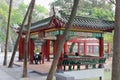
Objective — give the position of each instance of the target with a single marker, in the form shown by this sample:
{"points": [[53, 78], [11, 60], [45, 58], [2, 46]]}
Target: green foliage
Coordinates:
{"points": [[108, 37], [2, 36], [37, 49], [3, 20], [40, 8], [93, 8], [17, 16], [64, 5], [3, 12], [22, 8], [39, 13], [102, 14]]}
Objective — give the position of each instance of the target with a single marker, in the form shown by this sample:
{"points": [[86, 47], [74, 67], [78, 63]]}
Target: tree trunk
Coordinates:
{"points": [[27, 39], [7, 34], [71, 47], [116, 46], [61, 42], [17, 41]]}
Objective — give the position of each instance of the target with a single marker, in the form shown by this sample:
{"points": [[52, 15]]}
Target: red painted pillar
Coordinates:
{"points": [[101, 47], [48, 50], [32, 48], [54, 47], [65, 47], [85, 46], [79, 48], [21, 48], [43, 52], [108, 45], [101, 50]]}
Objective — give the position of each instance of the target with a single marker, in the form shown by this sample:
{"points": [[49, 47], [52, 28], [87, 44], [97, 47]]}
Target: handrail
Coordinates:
{"points": [[82, 61]]}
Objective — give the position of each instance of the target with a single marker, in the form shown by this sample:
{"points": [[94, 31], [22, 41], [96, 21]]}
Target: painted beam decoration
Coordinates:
{"points": [[41, 34], [73, 33]]}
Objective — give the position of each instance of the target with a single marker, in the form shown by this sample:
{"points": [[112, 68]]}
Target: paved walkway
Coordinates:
{"points": [[35, 71], [5, 76], [43, 68], [15, 73]]}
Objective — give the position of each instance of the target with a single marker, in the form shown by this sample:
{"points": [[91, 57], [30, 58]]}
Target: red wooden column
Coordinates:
{"points": [[85, 46], [21, 48], [101, 50], [32, 46], [43, 52], [48, 50], [108, 45], [65, 47], [79, 48], [101, 47], [54, 47]]}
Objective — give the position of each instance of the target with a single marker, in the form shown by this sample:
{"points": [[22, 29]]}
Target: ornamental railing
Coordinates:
{"points": [[81, 63]]}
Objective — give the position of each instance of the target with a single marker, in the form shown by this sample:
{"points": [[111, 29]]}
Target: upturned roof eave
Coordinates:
{"points": [[57, 22]]}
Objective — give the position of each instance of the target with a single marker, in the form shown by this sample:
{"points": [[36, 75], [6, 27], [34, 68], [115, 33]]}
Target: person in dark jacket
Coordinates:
{"points": [[35, 57], [40, 57]]}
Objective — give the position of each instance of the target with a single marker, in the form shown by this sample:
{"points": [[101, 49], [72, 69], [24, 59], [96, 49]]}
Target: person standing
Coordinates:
{"points": [[35, 57], [40, 57]]}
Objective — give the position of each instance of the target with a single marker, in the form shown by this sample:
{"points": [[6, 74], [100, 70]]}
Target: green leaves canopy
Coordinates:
{"points": [[18, 13]]}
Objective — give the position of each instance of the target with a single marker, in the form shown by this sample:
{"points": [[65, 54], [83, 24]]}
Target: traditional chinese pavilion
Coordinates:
{"points": [[50, 30]]}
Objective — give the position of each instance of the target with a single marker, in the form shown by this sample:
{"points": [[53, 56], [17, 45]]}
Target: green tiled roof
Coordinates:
{"points": [[89, 22], [79, 22], [41, 23]]}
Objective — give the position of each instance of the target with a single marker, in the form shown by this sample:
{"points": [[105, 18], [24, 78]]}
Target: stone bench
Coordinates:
{"points": [[81, 74]]}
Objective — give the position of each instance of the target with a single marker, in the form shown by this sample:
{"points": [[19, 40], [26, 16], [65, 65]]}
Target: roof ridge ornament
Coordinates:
{"points": [[56, 12]]}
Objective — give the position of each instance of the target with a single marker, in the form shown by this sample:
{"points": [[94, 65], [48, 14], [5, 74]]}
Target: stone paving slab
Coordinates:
{"points": [[34, 71], [15, 73], [43, 68], [5, 76], [36, 78]]}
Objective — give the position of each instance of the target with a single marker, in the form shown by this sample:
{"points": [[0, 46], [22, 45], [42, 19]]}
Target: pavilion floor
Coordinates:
{"points": [[44, 68]]}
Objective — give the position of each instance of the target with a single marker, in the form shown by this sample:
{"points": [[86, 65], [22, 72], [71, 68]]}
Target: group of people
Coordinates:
{"points": [[37, 57]]}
